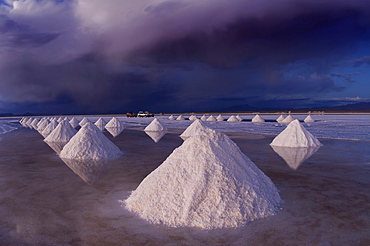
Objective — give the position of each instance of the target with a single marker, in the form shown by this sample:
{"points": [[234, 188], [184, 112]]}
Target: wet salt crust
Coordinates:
{"points": [[43, 201]]}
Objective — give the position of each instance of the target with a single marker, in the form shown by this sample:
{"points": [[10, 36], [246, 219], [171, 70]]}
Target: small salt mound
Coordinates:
{"points": [[204, 118], [193, 129], [309, 119], [295, 135], [100, 123], [258, 119], [49, 128], [90, 143], [34, 123], [280, 119], [84, 121], [155, 126], [171, 117], [211, 118], [239, 118], [40, 122], [232, 118], [74, 122], [114, 122], [220, 118], [180, 118], [193, 117], [41, 127], [59, 119], [288, 119], [207, 183], [62, 133]]}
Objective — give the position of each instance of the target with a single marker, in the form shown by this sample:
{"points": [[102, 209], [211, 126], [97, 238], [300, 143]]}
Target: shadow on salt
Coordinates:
{"points": [[156, 136], [294, 157]]}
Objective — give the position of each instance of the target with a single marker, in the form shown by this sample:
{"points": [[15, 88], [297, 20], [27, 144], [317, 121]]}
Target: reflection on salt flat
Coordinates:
{"points": [[57, 147], [88, 170], [156, 136], [294, 157], [114, 131]]}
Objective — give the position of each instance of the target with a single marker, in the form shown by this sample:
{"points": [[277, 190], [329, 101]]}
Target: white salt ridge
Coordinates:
{"points": [[62, 133], [180, 118], [239, 118], [155, 126], [295, 135], [90, 143], [258, 119], [280, 119], [171, 117], [232, 118], [84, 121], [100, 123], [204, 118], [114, 122], [74, 122], [288, 119], [220, 118], [211, 118], [49, 128], [309, 119], [207, 183], [193, 129]]}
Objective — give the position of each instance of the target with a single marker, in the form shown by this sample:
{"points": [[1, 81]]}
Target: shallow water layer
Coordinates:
{"points": [[45, 201]]}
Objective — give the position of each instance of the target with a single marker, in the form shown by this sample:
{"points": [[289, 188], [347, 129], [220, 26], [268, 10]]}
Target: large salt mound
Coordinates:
{"points": [[232, 118], [193, 129], [309, 119], [155, 126], [207, 183], [74, 122], [62, 133], [258, 119], [90, 143], [280, 119], [84, 121], [288, 119], [49, 128], [100, 123], [295, 135], [114, 122], [211, 118]]}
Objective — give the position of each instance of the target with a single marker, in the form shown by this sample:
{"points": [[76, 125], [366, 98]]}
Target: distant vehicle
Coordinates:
{"points": [[144, 114], [130, 114]]}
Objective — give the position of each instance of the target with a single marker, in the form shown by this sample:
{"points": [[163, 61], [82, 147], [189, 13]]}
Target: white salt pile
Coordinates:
{"points": [[288, 119], [193, 129], [74, 122], [204, 118], [280, 119], [193, 117], [211, 118], [239, 118], [232, 118], [90, 143], [155, 126], [171, 117], [34, 122], [42, 125], [62, 133], [258, 119], [114, 122], [207, 183], [295, 135], [59, 119], [294, 157], [49, 128], [84, 121], [180, 118], [309, 119], [220, 118], [100, 123]]}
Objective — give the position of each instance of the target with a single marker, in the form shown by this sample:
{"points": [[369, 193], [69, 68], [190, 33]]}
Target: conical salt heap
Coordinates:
{"points": [[90, 143], [207, 183], [295, 135], [280, 119], [193, 117], [42, 125], [204, 118], [74, 122], [34, 123], [232, 118], [258, 119], [171, 117], [239, 118], [220, 118], [49, 128], [62, 133], [211, 118], [288, 119], [84, 121], [309, 119], [100, 123], [180, 118], [155, 126], [194, 128], [114, 122]]}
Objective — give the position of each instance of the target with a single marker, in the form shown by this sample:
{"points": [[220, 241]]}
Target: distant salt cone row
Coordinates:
{"points": [[207, 183]]}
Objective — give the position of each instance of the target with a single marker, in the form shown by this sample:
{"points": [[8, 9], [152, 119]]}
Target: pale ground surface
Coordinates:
{"points": [[44, 202]]}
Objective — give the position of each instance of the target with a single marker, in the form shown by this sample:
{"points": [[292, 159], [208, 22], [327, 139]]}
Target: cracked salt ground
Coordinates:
{"points": [[43, 201]]}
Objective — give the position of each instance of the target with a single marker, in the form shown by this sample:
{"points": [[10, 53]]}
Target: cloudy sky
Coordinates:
{"points": [[112, 56]]}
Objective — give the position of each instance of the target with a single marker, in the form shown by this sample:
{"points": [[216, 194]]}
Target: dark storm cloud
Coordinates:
{"points": [[110, 55]]}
